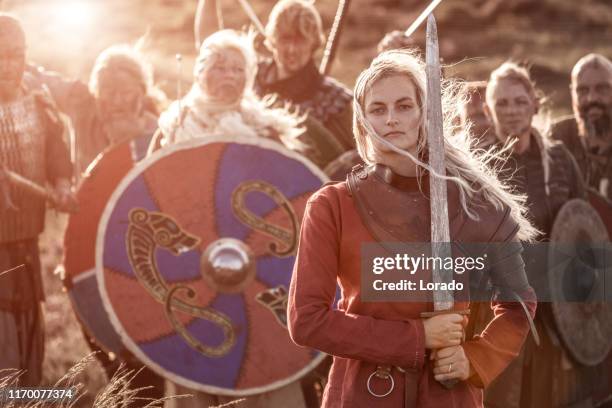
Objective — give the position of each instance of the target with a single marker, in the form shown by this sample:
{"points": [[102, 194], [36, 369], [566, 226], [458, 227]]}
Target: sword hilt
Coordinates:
{"points": [[448, 384]]}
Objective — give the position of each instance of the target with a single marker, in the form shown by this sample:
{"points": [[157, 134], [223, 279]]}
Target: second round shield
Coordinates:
{"points": [[95, 189], [579, 263], [194, 259]]}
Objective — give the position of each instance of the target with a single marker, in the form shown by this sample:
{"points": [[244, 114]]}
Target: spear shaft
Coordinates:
{"points": [[334, 37]]}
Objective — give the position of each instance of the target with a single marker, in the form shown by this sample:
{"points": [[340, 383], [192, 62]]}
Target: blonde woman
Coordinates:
{"points": [[385, 353]]}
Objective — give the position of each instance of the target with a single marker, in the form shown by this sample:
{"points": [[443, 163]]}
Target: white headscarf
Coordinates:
{"points": [[248, 116]]}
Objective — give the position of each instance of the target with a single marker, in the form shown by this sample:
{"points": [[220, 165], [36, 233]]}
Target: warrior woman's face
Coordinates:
{"points": [[291, 52], [511, 109], [392, 108], [120, 95], [225, 79], [592, 100], [12, 61]]}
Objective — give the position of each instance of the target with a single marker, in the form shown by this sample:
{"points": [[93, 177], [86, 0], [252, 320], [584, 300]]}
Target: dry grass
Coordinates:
{"points": [[116, 393], [64, 343]]}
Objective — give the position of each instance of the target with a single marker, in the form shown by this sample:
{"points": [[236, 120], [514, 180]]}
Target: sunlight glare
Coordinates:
{"points": [[73, 14]]}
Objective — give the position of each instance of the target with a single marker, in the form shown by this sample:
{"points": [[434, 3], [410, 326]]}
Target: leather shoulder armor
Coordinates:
{"points": [[492, 225], [393, 215]]}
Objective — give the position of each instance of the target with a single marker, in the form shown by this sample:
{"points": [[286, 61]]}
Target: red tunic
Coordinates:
{"points": [[361, 335]]}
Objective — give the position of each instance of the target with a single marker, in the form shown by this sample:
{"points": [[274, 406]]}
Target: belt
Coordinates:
{"points": [[411, 377]]}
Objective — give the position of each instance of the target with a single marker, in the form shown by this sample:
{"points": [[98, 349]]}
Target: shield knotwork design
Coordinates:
{"points": [[194, 259], [579, 262]]}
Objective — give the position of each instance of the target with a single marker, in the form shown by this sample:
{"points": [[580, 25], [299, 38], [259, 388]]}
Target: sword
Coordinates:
{"points": [[440, 230], [443, 300]]}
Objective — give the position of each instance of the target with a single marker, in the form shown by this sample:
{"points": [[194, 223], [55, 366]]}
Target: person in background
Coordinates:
{"points": [[221, 101], [546, 173], [472, 116], [120, 103], [293, 35], [588, 133], [32, 146]]}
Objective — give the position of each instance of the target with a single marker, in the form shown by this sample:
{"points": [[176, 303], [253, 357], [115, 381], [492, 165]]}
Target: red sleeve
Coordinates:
{"points": [[312, 320], [501, 342]]}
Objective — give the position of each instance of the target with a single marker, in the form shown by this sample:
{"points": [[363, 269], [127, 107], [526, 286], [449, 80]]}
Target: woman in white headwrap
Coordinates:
{"points": [[221, 100]]}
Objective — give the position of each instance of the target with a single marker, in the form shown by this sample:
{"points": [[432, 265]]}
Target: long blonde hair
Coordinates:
{"points": [[471, 170]]}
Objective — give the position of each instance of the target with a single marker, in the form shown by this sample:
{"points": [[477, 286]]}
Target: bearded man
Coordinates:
{"points": [[293, 35], [120, 102], [588, 134], [32, 146], [544, 171]]}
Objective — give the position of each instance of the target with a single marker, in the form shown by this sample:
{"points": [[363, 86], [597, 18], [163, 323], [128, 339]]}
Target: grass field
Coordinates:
{"points": [[66, 36]]}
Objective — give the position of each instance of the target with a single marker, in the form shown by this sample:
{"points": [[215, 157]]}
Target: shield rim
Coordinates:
{"points": [[127, 341], [578, 357]]}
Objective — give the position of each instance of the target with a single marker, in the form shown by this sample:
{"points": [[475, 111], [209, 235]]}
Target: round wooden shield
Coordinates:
{"points": [[603, 206], [96, 187], [194, 258], [579, 260]]}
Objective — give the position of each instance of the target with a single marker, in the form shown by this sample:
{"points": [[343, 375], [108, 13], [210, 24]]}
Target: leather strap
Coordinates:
{"points": [[411, 385]]}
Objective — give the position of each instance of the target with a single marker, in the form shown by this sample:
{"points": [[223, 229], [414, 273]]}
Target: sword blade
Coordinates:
{"points": [[416, 23], [440, 232]]}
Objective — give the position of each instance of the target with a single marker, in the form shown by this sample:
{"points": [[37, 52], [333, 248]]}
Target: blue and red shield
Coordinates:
{"points": [[194, 258]]}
